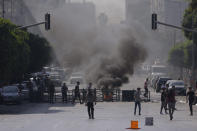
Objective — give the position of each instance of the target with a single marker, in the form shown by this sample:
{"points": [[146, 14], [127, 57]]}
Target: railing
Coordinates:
{"points": [[101, 96]]}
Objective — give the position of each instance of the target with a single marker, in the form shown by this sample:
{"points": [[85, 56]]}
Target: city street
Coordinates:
{"points": [[109, 116]]}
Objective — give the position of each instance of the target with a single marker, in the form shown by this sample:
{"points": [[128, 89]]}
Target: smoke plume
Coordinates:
{"points": [[107, 54]]}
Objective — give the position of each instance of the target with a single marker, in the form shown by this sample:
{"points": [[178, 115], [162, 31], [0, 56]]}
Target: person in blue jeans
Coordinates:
{"points": [[137, 100]]}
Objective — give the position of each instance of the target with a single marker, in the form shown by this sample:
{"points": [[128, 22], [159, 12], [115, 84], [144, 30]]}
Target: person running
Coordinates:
{"points": [[51, 92], [163, 101], [191, 97], [90, 100], [64, 90], [137, 101], [171, 101], [77, 93]]}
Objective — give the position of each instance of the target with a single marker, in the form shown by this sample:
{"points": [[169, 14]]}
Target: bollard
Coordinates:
{"points": [[134, 124]]}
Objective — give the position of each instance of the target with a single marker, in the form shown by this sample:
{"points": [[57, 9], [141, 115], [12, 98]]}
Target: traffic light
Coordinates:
{"points": [[154, 21], [47, 21]]}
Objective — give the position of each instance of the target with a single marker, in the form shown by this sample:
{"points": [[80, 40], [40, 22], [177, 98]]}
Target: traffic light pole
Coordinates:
{"points": [[46, 22], [177, 27], [32, 25]]}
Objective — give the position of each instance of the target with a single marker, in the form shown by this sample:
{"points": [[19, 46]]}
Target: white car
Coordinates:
{"points": [[180, 88]]}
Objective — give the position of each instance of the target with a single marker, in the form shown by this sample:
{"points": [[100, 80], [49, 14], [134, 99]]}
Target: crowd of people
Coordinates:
{"points": [[168, 99]]}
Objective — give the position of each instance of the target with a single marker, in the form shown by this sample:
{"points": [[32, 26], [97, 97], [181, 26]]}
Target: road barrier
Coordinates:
{"points": [[115, 95]]}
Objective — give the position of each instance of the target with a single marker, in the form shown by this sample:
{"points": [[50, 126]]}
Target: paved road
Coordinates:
{"points": [[109, 117]]}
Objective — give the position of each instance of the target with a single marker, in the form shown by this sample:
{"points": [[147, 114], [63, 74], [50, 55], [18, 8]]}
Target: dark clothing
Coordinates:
{"points": [[90, 99], [64, 93], [146, 89], [171, 96], [51, 93], [137, 103], [163, 96], [90, 106], [84, 92], [77, 94], [163, 102], [171, 102], [76, 89], [191, 98]]}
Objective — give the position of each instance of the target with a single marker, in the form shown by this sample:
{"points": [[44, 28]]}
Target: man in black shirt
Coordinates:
{"points": [[163, 101], [64, 92], [51, 92], [77, 93], [191, 98]]}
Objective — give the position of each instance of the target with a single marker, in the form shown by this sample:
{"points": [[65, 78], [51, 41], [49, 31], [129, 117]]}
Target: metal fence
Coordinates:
{"points": [[111, 96]]}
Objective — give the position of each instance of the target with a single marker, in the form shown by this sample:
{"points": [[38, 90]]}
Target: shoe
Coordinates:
{"points": [[166, 112], [139, 114], [161, 113], [171, 117], [134, 113]]}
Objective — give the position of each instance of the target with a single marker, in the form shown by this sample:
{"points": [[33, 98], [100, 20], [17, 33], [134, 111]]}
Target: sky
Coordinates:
{"points": [[115, 9]]}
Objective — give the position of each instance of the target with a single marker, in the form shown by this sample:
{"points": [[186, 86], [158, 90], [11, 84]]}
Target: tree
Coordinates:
{"points": [[190, 13], [181, 55], [14, 52], [41, 52]]}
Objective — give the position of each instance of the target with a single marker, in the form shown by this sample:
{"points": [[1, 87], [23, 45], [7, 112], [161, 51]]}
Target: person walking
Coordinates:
{"points": [[77, 93], [163, 101], [146, 88], [90, 101], [171, 101], [137, 101], [51, 92], [191, 97], [64, 90]]}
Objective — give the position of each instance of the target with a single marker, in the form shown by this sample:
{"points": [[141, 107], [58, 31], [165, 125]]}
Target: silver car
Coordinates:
{"points": [[180, 88], [11, 94]]}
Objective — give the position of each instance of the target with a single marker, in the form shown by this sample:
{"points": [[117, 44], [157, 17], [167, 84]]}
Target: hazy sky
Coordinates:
{"points": [[113, 8]]}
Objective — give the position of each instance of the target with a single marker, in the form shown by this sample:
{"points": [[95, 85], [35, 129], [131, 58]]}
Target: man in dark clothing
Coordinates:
{"points": [[171, 101], [137, 100], [64, 92], [84, 92], [163, 101], [191, 98], [90, 99], [51, 92], [146, 88], [77, 93]]}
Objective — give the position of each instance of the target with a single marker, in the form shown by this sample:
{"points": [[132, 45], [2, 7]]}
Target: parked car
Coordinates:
{"points": [[11, 93], [161, 80], [180, 88], [25, 90]]}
